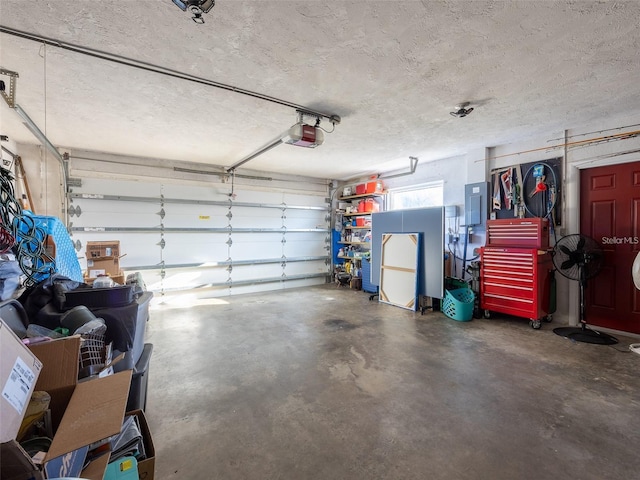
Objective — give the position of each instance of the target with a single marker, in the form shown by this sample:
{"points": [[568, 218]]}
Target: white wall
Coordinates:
{"points": [[43, 173]]}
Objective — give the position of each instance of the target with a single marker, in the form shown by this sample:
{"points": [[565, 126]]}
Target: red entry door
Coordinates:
{"points": [[610, 214]]}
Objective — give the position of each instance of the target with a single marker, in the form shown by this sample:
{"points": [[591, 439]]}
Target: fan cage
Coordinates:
{"points": [[590, 251]]}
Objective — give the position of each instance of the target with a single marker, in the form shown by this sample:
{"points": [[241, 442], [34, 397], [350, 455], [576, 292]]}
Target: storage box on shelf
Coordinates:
{"points": [[372, 187]]}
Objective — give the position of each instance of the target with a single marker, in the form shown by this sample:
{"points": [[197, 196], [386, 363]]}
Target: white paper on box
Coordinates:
{"points": [[96, 273], [16, 389]]}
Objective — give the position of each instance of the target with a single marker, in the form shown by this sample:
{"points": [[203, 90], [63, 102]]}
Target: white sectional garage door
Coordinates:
{"points": [[196, 236]]}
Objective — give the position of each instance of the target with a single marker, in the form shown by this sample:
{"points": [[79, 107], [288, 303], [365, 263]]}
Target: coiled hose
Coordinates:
{"points": [[19, 232]]}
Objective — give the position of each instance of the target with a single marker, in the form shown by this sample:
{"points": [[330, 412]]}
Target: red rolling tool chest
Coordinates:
{"points": [[514, 269]]}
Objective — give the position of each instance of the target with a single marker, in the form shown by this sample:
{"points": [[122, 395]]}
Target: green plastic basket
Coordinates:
{"points": [[458, 304]]}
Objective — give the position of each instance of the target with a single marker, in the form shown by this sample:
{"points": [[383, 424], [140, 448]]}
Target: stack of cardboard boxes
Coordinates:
{"points": [[81, 413], [103, 258]]}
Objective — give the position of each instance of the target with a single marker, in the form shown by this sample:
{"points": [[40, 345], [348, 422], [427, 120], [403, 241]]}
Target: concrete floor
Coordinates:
{"points": [[321, 383]]}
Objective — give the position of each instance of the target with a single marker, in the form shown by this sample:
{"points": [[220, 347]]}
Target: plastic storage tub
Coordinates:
{"points": [[109, 297], [132, 356], [140, 378], [458, 304]]}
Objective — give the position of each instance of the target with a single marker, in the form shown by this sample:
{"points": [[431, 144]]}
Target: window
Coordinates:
{"points": [[417, 196]]}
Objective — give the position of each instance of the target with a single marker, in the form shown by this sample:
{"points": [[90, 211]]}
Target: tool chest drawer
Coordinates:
{"points": [[518, 232], [515, 281]]}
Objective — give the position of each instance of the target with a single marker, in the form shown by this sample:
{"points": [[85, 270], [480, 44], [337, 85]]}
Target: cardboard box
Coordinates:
{"points": [[103, 266], [19, 372], [146, 468], [108, 248], [82, 413]]}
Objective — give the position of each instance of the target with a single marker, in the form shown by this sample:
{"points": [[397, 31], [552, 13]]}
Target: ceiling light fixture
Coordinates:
{"points": [[462, 110], [196, 7]]}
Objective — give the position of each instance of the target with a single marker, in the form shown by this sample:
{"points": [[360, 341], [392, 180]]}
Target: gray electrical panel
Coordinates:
{"points": [[476, 204]]}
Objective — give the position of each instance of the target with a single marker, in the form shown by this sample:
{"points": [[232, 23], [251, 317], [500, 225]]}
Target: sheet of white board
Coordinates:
{"points": [[399, 269], [429, 223]]}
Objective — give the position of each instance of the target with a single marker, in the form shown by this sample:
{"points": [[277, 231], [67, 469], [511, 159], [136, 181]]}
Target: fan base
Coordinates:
{"points": [[585, 335]]}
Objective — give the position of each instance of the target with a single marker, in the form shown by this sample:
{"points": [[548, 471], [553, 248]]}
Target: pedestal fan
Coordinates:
{"points": [[580, 258]]}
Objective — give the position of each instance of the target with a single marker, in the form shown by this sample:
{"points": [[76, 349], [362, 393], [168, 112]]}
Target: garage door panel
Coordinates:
{"points": [[202, 230]]}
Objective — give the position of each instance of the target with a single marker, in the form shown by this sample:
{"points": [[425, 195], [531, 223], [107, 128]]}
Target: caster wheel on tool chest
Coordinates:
{"points": [[535, 324], [548, 318], [487, 314]]}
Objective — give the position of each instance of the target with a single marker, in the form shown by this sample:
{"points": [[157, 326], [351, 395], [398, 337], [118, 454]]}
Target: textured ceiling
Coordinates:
{"points": [[391, 69]]}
